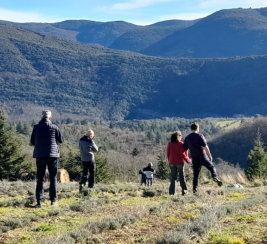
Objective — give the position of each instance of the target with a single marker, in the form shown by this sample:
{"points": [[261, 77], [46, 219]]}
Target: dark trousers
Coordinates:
{"points": [[52, 164], [143, 179], [197, 164], [175, 169], [88, 167]]}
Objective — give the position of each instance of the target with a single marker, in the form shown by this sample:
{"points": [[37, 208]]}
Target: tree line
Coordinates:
{"points": [[125, 147]]}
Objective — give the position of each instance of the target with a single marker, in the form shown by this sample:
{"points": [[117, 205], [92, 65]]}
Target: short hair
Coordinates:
{"points": [[174, 136], [90, 132], [150, 164], [46, 114], [194, 126]]}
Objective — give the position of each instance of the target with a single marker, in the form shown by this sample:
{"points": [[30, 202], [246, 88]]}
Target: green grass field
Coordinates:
{"points": [[129, 213], [229, 124]]}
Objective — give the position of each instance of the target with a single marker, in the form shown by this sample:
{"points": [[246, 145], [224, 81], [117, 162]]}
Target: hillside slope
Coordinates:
{"points": [[232, 32], [144, 37], [85, 31], [106, 33], [103, 33], [234, 146], [79, 78]]}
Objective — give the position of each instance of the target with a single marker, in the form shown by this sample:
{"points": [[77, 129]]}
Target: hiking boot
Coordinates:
{"points": [[54, 204], [184, 192], [219, 182], [38, 205]]}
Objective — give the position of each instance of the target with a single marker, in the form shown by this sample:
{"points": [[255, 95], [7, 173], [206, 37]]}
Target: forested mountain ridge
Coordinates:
{"points": [[231, 32], [102, 33], [87, 79], [142, 38], [225, 33], [85, 31]]}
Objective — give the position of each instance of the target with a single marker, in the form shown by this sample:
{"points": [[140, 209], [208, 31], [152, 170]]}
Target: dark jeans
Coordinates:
{"points": [[175, 169], [52, 164], [197, 164], [88, 167]]}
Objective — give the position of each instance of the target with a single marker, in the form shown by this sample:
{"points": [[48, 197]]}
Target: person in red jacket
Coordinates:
{"points": [[176, 156]]}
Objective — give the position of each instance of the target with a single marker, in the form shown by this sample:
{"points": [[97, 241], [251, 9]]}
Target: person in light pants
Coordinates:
{"points": [[149, 171]]}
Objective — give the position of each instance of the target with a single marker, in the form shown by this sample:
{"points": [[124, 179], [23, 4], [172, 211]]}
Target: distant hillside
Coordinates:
{"points": [[85, 31], [105, 33], [103, 83], [144, 37], [176, 23], [235, 145], [45, 28], [140, 39], [232, 32], [226, 33]]}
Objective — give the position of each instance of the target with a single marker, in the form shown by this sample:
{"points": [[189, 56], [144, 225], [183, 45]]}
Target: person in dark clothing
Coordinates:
{"points": [[44, 138], [87, 148], [149, 171], [143, 177], [176, 157], [200, 154]]}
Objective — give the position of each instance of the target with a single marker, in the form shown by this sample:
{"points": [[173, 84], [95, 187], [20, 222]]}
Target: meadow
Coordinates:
{"points": [[123, 213]]}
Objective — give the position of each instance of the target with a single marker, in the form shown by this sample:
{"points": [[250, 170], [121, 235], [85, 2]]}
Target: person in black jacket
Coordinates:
{"points": [[44, 138]]}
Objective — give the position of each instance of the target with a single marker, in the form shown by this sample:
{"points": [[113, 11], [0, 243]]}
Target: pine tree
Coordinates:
{"points": [[135, 152], [102, 169], [163, 171], [257, 160], [11, 158], [71, 161]]}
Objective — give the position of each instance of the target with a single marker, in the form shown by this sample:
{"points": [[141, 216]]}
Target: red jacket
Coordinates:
{"points": [[176, 153]]}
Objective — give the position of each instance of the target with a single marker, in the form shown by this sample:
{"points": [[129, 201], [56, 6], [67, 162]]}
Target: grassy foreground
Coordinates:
{"points": [[128, 213]]}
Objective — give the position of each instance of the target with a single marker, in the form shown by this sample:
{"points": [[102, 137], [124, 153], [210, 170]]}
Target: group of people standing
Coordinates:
{"points": [[147, 175], [177, 154], [46, 136]]}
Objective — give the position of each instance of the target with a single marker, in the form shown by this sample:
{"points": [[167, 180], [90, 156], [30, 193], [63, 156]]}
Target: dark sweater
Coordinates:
{"points": [[195, 142], [44, 138]]}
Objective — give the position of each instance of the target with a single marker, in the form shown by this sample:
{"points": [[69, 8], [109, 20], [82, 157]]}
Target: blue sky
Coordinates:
{"points": [[141, 12]]}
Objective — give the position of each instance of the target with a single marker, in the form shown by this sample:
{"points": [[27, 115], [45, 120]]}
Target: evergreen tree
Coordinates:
{"points": [[71, 161], [19, 128], [11, 158], [163, 171], [102, 169], [257, 160], [135, 152]]}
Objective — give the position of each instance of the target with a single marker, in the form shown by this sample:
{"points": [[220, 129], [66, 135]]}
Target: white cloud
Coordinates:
{"points": [[132, 4], [22, 17]]}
